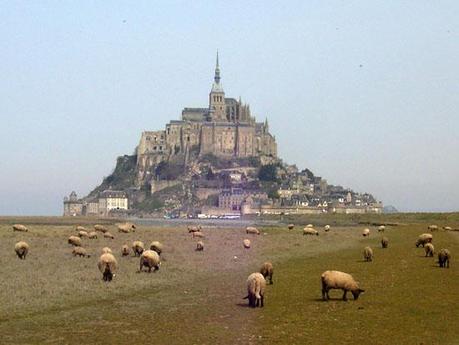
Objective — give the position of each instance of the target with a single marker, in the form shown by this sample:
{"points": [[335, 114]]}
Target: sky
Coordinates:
{"points": [[363, 93]]}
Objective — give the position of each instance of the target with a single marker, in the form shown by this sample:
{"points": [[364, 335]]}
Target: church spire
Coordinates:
{"points": [[217, 71]]}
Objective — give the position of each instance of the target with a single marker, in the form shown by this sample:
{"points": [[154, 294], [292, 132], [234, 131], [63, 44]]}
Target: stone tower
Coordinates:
{"points": [[217, 107]]}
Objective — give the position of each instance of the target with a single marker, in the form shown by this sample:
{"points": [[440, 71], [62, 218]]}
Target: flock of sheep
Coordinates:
{"points": [[256, 282]]}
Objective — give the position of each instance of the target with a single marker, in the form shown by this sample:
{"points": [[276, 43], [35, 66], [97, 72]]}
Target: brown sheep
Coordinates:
{"points": [[423, 239], [197, 234], [126, 227], [256, 285], [200, 246], [74, 241], [444, 256], [125, 250], [21, 248], [80, 251], [150, 259], [267, 271], [194, 228], [100, 228], [20, 227], [107, 265], [291, 226], [384, 242], [137, 248], [108, 235], [368, 254], [339, 280], [429, 249], [252, 230]]}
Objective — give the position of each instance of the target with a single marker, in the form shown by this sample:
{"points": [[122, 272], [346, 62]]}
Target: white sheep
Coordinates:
{"points": [[339, 280], [194, 228], [423, 239], [252, 230], [74, 241], [107, 265], [21, 248], [100, 228], [310, 231], [126, 227], [309, 226], [444, 256], [327, 228], [138, 248], [429, 249], [82, 234], [20, 227], [432, 227], [447, 228], [267, 271], [108, 235], [92, 235], [106, 250], [150, 259], [198, 234], [368, 254], [246, 243], [366, 232], [80, 251], [381, 228], [80, 228], [256, 285], [157, 247]]}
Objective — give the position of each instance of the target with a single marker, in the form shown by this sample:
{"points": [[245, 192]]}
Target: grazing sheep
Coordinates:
{"points": [[447, 228], [20, 227], [423, 239], [310, 231], [197, 234], [252, 230], [368, 254], [200, 246], [74, 241], [366, 232], [108, 235], [194, 228], [429, 249], [432, 228], [92, 235], [82, 234], [150, 259], [327, 228], [107, 265], [106, 250], [100, 228], [381, 228], [157, 247], [339, 280], [267, 271], [444, 256], [246, 243], [21, 248], [309, 226], [125, 250], [256, 285], [80, 251], [80, 228], [126, 227], [290, 226], [384, 242], [137, 248]]}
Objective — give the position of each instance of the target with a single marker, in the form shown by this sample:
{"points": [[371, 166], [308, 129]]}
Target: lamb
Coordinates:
{"points": [[246, 243], [444, 256], [447, 228], [108, 235], [252, 230], [384, 242], [20, 227], [107, 265], [106, 250], [256, 285], [290, 226], [368, 254], [126, 227], [157, 247], [92, 235], [194, 228], [137, 248], [423, 239], [74, 241], [200, 246], [21, 248], [327, 228], [80, 228], [100, 228], [197, 234], [80, 251], [267, 271], [381, 228], [366, 232], [310, 231], [432, 227], [429, 249], [339, 280], [150, 259], [125, 250], [82, 234]]}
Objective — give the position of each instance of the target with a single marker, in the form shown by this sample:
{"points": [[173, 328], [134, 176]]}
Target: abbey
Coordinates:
{"points": [[225, 128]]}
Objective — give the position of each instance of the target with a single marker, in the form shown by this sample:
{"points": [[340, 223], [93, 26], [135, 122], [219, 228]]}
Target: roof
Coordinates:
{"points": [[112, 194]]}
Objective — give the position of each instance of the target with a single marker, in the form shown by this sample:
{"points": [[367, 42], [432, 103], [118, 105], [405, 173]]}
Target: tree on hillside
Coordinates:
{"points": [[268, 173]]}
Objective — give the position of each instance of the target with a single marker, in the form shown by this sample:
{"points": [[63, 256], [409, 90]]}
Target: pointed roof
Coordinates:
{"points": [[216, 86]]}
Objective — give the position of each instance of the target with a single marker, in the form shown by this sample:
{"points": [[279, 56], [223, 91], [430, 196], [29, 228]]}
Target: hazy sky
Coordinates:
{"points": [[363, 93]]}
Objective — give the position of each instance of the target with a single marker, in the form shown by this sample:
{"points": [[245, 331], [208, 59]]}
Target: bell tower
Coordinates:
{"points": [[217, 107]]}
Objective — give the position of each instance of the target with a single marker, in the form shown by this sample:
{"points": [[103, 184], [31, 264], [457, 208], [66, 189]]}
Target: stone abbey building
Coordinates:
{"points": [[225, 129]]}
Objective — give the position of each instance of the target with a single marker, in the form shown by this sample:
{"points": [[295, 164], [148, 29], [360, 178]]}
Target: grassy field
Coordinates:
{"points": [[196, 297]]}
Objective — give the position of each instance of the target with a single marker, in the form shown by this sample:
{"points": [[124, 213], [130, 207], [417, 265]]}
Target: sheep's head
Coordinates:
{"points": [[356, 293]]}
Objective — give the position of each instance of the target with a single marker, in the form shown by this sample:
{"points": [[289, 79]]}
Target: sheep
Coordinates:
{"points": [[366, 232], [197, 234], [310, 231], [125, 250], [429, 249], [246, 243], [137, 248], [150, 259], [423, 239], [157, 247], [444, 256], [126, 227], [252, 230], [21, 248], [80, 251], [100, 228], [256, 285], [267, 271], [339, 280], [20, 227], [74, 241], [108, 235], [82, 234], [200, 246], [80, 228], [309, 226], [447, 228], [92, 235], [194, 228], [381, 228], [368, 254], [107, 265], [290, 226], [384, 242], [432, 227], [327, 228], [106, 250]]}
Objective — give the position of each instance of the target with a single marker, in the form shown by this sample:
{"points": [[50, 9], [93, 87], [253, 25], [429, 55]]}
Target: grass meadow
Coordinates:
{"points": [[196, 297]]}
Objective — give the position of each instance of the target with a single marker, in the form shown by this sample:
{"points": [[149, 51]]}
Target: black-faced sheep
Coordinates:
{"points": [[252, 230], [150, 259], [423, 239], [157, 247], [125, 250], [108, 235], [310, 226], [381, 228], [444, 256], [310, 231], [291, 226], [199, 246], [246, 243], [366, 232], [339, 280], [368, 254], [80, 228], [327, 228], [137, 248], [74, 241], [107, 265], [80, 251], [21, 248], [194, 228], [429, 249], [384, 242], [447, 228], [100, 228], [256, 285], [432, 227], [267, 271], [20, 227]]}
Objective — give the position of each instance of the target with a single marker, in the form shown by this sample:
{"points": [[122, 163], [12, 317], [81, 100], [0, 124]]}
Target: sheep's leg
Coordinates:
{"points": [[271, 278], [344, 295], [262, 301]]}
